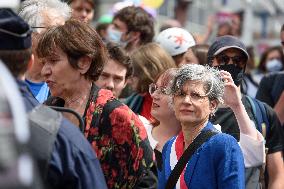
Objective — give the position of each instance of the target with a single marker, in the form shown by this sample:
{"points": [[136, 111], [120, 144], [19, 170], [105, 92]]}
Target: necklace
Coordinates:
{"points": [[198, 133], [196, 136], [71, 101], [79, 98]]}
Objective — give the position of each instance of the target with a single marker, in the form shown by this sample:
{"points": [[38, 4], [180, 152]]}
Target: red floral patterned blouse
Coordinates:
{"points": [[118, 137]]}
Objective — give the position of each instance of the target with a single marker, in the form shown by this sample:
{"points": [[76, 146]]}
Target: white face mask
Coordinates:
{"points": [[114, 35], [273, 65]]}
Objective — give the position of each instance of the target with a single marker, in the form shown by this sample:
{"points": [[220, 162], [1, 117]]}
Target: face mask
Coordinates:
{"points": [[273, 65], [236, 72], [114, 35]]}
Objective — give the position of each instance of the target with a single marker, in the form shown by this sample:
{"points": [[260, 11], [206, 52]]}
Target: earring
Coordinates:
{"points": [[211, 115]]}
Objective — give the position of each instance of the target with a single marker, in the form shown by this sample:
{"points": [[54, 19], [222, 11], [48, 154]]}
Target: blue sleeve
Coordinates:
{"points": [[73, 163], [230, 166]]}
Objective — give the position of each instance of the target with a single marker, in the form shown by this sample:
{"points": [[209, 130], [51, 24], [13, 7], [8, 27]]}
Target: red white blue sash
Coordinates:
{"points": [[177, 149]]}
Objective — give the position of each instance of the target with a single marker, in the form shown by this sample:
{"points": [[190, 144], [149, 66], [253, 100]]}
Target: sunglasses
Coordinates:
{"points": [[225, 59]]}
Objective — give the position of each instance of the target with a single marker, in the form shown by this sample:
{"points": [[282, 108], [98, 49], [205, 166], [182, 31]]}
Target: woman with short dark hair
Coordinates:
{"points": [[73, 56]]}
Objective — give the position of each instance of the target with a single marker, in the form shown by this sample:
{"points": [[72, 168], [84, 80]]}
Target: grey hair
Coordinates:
{"points": [[31, 11], [210, 77]]}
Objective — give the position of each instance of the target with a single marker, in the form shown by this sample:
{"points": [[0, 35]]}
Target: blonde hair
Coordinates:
{"points": [[149, 61]]}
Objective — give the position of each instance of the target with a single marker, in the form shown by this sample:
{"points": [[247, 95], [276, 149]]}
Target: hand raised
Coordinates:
{"points": [[232, 95]]}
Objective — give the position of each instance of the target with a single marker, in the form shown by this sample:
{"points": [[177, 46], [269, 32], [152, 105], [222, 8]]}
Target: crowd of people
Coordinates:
{"points": [[119, 106]]}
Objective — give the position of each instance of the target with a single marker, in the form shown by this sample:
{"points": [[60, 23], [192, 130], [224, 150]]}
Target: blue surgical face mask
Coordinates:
{"points": [[114, 35], [274, 65]]}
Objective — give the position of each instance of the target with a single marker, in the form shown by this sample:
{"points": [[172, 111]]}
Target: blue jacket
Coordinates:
{"points": [[73, 163], [218, 163]]}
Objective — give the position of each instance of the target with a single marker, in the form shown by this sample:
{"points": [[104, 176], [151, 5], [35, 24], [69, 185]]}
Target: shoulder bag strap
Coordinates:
{"points": [[265, 122], [175, 174]]}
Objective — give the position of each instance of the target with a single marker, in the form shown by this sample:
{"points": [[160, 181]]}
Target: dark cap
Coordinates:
{"points": [[225, 42], [15, 33]]}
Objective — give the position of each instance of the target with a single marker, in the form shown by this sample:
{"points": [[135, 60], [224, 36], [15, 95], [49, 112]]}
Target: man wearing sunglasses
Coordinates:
{"points": [[229, 54]]}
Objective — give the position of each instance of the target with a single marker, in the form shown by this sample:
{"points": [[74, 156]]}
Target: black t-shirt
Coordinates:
{"points": [[270, 88], [227, 120]]}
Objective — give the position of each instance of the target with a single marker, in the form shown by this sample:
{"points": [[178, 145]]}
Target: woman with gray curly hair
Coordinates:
{"points": [[204, 157], [41, 14]]}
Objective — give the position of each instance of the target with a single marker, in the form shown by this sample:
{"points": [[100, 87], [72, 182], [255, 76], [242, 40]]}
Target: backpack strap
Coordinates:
{"points": [[260, 115], [73, 112], [44, 124], [176, 172], [57, 104]]}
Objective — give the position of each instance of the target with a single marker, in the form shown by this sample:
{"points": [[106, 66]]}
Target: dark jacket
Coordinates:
{"points": [[73, 163]]}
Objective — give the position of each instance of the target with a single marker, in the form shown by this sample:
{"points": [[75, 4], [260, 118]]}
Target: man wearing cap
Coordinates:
{"points": [[229, 54], [178, 42], [71, 162]]}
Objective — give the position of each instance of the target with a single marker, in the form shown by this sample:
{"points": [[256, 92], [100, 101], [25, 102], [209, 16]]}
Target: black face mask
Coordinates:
{"points": [[236, 72]]}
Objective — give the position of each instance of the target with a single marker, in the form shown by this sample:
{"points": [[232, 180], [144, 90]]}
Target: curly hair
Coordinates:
{"points": [[137, 20], [32, 11], [210, 77], [76, 39]]}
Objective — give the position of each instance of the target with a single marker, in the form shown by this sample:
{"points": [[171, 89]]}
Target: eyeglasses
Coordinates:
{"points": [[34, 28], [154, 88], [225, 59], [195, 97]]}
